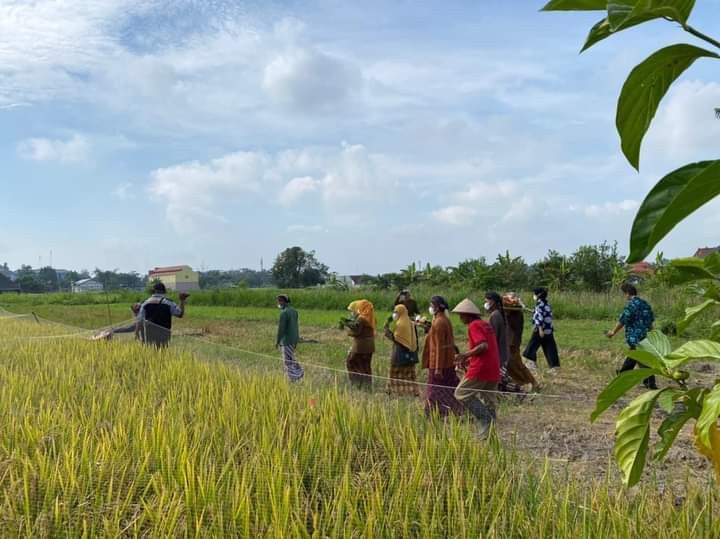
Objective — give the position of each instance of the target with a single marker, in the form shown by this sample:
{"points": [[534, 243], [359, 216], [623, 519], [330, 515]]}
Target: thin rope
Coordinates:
{"points": [[344, 371], [575, 397]]}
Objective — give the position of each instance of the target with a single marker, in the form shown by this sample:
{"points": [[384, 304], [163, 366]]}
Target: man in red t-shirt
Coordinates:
{"points": [[477, 390]]}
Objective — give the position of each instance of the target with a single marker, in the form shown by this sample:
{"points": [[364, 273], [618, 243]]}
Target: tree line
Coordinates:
{"points": [[591, 267]]}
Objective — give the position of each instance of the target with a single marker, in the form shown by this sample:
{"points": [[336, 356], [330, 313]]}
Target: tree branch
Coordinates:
{"points": [[700, 35]]}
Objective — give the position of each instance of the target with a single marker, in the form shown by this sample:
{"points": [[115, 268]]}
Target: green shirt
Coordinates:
{"points": [[288, 328]]}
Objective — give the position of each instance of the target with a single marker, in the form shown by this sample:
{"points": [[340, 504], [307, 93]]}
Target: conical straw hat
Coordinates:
{"points": [[466, 307]]}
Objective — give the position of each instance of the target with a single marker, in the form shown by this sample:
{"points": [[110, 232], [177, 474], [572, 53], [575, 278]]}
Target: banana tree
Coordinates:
{"points": [[673, 198]]}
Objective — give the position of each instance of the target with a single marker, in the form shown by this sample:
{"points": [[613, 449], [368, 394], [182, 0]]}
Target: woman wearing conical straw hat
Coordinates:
{"points": [[481, 365]]}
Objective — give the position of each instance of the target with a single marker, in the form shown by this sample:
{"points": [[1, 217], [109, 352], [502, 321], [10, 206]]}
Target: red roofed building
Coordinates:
{"points": [[641, 268], [706, 251], [180, 278]]}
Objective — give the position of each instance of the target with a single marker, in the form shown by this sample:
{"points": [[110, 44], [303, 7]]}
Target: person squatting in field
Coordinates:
{"points": [[154, 319], [543, 335], [404, 353], [637, 318], [481, 366], [288, 336], [439, 359], [361, 327]]}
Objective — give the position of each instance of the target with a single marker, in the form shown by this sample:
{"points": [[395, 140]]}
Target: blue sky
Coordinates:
{"points": [[215, 133]]}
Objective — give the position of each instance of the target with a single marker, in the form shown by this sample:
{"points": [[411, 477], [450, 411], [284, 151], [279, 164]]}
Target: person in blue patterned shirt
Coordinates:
{"points": [[543, 333], [637, 318]]}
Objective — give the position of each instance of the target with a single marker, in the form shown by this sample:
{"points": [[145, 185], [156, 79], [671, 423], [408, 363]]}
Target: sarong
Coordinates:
{"points": [[440, 389], [293, 369], [403, 382], [517, 370], [359, 367]]}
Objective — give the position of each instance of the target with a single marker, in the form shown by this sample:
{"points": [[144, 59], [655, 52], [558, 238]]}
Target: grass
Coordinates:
{"points": [[113, 439], [668, 304]]}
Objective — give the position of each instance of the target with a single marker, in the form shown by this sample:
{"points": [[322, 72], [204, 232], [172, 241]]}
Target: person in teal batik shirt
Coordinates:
{"points": [[637, 318]]}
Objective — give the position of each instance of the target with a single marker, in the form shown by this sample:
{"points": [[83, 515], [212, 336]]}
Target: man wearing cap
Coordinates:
{"points": [[477, 390], [154, 320], [288, 337]]}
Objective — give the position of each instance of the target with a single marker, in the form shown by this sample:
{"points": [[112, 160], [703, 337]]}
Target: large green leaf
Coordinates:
{"points": [[709, 415], [620, 14], [691, 313], [694, 350], [624, 14], [657, 343], [648, 359], [666, 400], [715, 331], [676, 10], [670, 428], [575, 5], [632, 433], [712, 263], [644, 89], [620, 385], [674, 197]]}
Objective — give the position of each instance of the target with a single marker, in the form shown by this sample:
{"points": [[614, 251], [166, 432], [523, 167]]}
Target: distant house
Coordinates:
{"points": [[180, 278], [86, 285], [641, 268], [706, 251]]}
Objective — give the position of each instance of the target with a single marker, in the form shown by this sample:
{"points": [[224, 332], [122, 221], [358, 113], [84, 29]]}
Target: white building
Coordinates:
{"points": [[86, 285]]}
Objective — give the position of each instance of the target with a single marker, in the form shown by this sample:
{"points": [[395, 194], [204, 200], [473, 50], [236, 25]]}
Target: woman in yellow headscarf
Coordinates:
{"points": [[404, 353], [361, 327]]}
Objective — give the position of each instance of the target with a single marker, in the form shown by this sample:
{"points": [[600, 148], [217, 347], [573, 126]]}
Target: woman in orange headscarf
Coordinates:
{"points": [[361, 327], [404, 354]]}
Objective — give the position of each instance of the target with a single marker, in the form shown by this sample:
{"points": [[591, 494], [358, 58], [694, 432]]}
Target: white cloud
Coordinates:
{"points": [[610, 208], [685, 128], [73, 150], [297, 188], [308, 80], [455, 215], [484, 191], [194, 191], [191, 190]]}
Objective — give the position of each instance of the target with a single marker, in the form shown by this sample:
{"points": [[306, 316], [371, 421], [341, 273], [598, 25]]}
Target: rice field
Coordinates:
{"points": [[207, 439]]}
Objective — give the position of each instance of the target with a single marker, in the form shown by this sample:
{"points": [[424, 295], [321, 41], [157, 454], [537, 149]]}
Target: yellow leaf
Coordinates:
{"points": [[712, 452]]}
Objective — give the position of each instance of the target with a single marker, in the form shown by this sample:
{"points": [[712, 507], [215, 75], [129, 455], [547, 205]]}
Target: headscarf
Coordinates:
{"points": [[404, 331], [440, 302], [364, 310]]}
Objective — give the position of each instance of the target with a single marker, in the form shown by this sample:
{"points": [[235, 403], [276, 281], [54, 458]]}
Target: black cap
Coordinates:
{"points": [[159, 288]]}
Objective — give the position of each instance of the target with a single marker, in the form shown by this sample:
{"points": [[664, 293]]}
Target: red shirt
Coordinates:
{"points": [[486, 366]]}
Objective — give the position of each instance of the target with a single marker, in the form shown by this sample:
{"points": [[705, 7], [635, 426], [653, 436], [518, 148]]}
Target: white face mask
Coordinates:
{"points": [[395, 316], [534, 297], [280, 306], [486, 306], [432, 311]]}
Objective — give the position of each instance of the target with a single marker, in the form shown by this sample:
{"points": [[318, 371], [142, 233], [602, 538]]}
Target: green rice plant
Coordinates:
{"points": [[115, 439]]}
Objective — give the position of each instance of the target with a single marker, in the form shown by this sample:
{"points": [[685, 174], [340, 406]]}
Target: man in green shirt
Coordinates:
{"points": [[288, 337]]}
